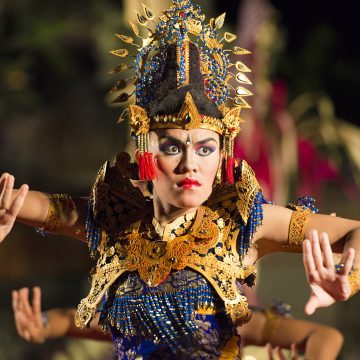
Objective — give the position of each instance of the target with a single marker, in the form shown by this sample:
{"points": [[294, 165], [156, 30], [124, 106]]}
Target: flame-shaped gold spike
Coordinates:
{"points": [[229, 37], [119, 85], [119, 68], [220, 20], [242, 67], [123, 97], [120, 52], [212, 23], [141, 19], [150, 15], [127, 39], [242, 78], [134, 28], [240, 51], [241, 91], [239, 101]]}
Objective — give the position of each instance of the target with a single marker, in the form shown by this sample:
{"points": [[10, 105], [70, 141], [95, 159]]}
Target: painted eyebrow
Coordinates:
{"points": [[174, 139]]}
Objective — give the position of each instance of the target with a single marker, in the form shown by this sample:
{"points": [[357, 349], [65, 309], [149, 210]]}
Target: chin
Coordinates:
{"points": [[184, 201]]}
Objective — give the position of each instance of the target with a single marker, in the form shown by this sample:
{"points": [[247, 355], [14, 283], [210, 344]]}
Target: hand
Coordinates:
{"points": [[9, 208], [327, 285], [280, 353], [28, 318]]}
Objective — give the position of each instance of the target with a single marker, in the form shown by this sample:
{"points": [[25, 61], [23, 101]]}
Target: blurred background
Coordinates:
{"points": [[58, 127]]}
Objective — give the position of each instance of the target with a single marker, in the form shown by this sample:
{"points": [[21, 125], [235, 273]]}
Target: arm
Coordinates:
{"points": [[327, 284], [34, 327], [37, 206], [274, 233], [317, 341]]}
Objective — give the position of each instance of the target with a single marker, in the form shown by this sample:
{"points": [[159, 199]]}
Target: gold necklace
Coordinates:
{"points": [[178, 227]]}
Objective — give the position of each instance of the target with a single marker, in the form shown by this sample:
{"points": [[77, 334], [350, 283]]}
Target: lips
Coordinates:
{"points": [[188, 183]]}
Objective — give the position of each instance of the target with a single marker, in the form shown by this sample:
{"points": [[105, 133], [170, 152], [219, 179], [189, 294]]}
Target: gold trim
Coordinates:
{"points": [[354, 280], [297, 228], [188, 118], [58, 206]]}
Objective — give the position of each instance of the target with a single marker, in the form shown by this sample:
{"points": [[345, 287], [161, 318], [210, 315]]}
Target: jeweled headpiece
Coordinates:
{"points": [[183, 79]]}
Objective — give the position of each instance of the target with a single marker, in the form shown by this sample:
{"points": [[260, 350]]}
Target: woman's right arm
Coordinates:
{"points": [[60, 214], [36, 326], [317, 341]]}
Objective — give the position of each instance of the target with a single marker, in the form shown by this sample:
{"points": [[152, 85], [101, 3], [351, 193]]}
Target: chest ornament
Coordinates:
{"points": [[205, 248]]}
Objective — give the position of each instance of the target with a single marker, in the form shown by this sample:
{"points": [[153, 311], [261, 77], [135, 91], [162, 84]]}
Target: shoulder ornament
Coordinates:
{"points": [[237, 200], [116, 201]]}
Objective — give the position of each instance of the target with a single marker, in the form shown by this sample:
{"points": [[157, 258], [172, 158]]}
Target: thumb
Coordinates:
{"points": [[311, 305]]}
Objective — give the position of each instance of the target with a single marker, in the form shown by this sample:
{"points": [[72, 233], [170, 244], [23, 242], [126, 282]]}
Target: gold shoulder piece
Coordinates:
{"points": [[116, 202], [247, 188], [236, 200]]}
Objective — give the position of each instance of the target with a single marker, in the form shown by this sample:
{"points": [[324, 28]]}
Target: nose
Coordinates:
{"points": [[189, 161]]}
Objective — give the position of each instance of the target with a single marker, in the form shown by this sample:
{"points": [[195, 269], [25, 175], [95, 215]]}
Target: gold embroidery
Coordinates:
{"points": [[203, 249], [354, 280], [236, 201], [60, 205], [208, 247], [176, 228], [298, 222]]}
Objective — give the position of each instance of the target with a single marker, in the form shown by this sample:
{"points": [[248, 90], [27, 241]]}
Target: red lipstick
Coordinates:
{"points": [[188, 183]]}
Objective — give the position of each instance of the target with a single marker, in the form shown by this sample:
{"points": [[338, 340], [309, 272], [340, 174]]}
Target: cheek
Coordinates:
{"points": [[166, 164], [209, 169]]}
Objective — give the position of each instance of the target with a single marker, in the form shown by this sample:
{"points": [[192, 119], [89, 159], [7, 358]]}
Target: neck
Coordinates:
{"points": [[165, 213]]}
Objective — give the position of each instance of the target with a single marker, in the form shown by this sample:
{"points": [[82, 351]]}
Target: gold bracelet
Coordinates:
{"points": [[354, 280], [297, 229], [58, 204]]}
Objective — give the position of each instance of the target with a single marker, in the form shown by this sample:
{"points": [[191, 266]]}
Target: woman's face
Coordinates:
{"points": [[186, 162]]}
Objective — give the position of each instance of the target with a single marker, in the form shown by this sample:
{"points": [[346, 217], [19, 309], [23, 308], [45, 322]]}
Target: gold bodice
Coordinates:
{"points": [[208, 246]]}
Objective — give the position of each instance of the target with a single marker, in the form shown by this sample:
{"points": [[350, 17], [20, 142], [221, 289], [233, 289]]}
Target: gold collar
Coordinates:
{"points": [[178, 227]]}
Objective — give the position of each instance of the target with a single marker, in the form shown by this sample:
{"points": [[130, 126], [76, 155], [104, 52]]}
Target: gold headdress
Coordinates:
{"points": [[185, 60]]}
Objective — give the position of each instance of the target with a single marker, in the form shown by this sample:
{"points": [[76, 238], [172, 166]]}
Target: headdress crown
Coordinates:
{"points": [[183, 77]]}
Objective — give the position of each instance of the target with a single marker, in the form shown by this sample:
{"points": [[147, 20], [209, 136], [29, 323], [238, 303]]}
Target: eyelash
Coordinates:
{"points": [[209, 148], [166, 147]]}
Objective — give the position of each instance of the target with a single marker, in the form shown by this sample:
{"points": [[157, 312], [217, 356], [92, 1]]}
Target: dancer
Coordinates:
{"points": [[172, 256]]}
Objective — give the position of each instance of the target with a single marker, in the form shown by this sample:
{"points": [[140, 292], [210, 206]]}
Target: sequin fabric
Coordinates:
{"points": [[182, 317]]}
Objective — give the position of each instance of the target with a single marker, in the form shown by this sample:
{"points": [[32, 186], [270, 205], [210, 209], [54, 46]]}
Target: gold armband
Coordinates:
{"points": [[298, 222], [59, 205], [278, 312], [354, 280]]}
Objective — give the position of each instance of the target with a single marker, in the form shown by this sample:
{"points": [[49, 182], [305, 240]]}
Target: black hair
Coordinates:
{"points": [[168, 99]]}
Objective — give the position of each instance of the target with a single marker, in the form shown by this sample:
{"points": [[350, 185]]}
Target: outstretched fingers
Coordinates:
{"points": [[7, 185], [18, 201], [36, 306], [308, 260]]}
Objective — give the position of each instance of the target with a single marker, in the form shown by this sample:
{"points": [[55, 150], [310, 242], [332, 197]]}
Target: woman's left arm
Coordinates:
{"points": [[286, 230]]}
